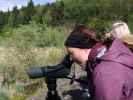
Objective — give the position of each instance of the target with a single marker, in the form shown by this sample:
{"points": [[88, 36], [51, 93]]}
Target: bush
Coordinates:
{"points": [[36, 35], [4, 94]]}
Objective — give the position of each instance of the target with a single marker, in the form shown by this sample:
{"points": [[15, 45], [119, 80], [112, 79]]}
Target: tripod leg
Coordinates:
{"points": [[52, 93]]}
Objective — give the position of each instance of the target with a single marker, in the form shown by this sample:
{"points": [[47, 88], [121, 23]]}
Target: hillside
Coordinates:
{"points": [[35, 35]]}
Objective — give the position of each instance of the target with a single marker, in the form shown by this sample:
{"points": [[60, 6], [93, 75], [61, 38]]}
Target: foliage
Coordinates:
{"points": [[34, 35], [19, 88], [4, 94], [13, 19], [37, 35], [67, 11]]}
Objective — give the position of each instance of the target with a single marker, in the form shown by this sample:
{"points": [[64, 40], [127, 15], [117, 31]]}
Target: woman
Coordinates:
{"points": [[128, 40], [120, 29], [111, 64]]}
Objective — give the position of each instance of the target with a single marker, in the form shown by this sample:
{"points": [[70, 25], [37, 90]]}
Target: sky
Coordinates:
{"points": [[9, 4]]}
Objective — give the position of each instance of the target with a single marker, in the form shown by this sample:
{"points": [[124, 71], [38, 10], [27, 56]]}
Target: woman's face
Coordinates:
{"points": [[80, 56]]}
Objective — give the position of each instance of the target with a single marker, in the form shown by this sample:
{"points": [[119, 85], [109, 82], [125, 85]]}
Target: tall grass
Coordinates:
{"points": [[27, 46]]}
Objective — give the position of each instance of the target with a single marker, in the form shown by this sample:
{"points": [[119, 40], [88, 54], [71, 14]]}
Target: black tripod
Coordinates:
{"points": [[52, 93], [52, 73]]}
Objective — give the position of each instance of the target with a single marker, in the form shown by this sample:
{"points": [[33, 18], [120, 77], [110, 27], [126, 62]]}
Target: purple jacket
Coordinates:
{"points": [[113, 77]]}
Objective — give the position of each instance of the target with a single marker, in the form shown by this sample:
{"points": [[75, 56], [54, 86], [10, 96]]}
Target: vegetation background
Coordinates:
{"points": [[34, 36]]}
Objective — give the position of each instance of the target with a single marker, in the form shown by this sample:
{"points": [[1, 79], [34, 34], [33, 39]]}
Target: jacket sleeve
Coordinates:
{"points": [[108, 84]]}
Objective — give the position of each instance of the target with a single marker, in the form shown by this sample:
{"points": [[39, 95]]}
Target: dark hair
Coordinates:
{"points": [[108, 42], [81, 37]]}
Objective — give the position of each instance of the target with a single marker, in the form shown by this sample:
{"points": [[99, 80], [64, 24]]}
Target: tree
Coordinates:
{"points": [[57, 13], [1, 20], [13, 19], [29, 11], [40, 11]]}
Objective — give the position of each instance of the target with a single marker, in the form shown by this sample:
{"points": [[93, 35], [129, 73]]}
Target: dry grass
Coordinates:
{"points": [[13, 63]]}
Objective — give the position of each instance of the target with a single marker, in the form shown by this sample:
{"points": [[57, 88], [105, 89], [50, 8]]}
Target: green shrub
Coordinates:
{"points": [[4, 94], [52, 37], [36, 35], [19, 88]]}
